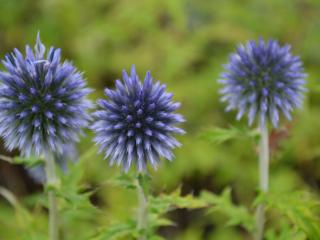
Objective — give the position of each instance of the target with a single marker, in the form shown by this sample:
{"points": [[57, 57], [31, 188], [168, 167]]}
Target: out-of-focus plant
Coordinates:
{"points": [[185, 42], [263, 79], [136, 126], [154, 210], [43, 107], [298, 210], [75, 207]]}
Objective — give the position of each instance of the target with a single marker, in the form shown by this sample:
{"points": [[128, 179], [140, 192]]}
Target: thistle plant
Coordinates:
{"points": [[135, 126], [262, 80], [43, 107]]}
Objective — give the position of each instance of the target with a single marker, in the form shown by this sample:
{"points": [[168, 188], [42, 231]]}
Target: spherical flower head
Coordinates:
{"points": [[262, 79], [136, 123], [43, 103]]}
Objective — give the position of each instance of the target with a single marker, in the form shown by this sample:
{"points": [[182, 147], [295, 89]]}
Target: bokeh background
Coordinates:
{"points": [[184, 43]]}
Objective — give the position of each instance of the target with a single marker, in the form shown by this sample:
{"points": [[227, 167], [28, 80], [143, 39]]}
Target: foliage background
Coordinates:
{"points": [[183, 43]]}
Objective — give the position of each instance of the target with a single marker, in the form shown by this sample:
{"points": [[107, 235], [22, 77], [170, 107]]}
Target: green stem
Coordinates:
{"points": [[142, 221], [264, 179], [53, 213]]}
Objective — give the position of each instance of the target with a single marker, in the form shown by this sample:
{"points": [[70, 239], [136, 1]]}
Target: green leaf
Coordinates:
{"points": [[144, 182], [116, 231], [22, 214], [76, 200], [167, 202], [301, 208], [28, 162], [128, 181], [237, 215], [75, 196], [160, 205], [76, 171], [285, 232], [157, 221], [221, 135], [22, 220]]}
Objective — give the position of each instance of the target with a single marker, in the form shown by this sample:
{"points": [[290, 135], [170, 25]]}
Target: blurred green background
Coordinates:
{"points": [[184, 44]]}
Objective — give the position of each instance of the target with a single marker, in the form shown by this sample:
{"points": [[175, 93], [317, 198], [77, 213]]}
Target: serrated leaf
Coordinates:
{"points": [[160, 205], [167, 202], [285, 232], [116, 231], [76, 201], [157, 221], [75, 196], [221, 135], [128, 181], [237, 215], [76, 170], [300, 208]]}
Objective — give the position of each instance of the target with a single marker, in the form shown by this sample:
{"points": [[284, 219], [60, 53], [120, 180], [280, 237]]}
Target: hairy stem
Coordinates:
{"points": [[53, 213], [264, 179], [142, 221]]}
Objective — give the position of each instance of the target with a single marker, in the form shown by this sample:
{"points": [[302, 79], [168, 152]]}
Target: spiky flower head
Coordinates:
{"points": [[136, 123], [43, 103], [262, 79]]}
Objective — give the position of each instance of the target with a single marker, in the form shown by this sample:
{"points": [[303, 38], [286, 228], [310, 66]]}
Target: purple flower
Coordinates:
{"points": [[43, 103], [263, 79], [137, 122]]}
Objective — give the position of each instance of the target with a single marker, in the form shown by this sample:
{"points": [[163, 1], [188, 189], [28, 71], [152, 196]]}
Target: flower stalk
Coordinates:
{"points": [[264, 178], [142, 217], [52, 199]]}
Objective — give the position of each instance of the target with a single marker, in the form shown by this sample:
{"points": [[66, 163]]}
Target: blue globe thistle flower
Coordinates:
{"points": [[43, 103], [262, 79], [69, 153], [137, 122]]}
